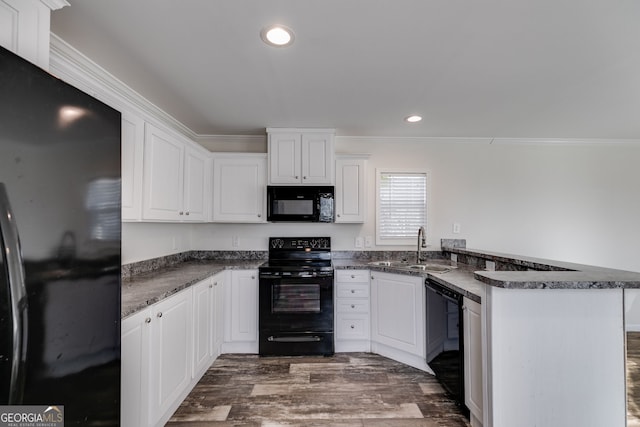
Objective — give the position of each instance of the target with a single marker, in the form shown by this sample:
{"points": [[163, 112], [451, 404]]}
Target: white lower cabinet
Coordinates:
{"points": [[166, 349], [397, 318], [171, 355], [134, 387], [473, 365], [241, 314], [352, 302]]}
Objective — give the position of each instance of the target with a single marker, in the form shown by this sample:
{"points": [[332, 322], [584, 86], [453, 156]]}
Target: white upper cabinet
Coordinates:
{"points": [[350, 188], [301, 156], [197, 172], [175, 178], [239, 187], [132, 160], [24, 28]]}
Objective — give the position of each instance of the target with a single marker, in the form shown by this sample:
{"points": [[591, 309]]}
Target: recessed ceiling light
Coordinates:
{"points": [[277, 35], [413, 119]]}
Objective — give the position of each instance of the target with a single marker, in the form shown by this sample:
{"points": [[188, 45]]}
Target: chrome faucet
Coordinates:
{"points": [[422, 243]]}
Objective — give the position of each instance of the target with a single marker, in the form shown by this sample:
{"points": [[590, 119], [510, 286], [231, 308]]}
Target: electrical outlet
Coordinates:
{"points": [[456, 228], [368, 241], [359, 242], [454, 258], [490, 266]]}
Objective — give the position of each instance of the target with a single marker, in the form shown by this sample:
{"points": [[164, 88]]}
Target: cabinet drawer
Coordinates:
{"points": [[353, 305], [349, 276], [352, 290], [352, 327]]}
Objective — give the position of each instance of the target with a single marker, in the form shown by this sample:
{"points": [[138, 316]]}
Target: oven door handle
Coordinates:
{"points": [[300, 338]]}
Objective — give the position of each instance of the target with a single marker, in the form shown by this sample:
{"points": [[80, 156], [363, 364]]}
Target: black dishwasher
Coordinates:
{"points": [[448, 364]]}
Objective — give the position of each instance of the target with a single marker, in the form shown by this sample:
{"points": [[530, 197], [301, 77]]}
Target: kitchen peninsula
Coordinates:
{"points": [[553, 332]]}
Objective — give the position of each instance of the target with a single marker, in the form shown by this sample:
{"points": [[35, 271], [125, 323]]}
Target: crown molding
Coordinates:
{"points": [[55, 4], [72, 66]]}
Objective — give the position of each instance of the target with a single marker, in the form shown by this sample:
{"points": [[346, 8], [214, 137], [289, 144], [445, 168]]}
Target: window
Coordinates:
{"points": [[401, 206]]}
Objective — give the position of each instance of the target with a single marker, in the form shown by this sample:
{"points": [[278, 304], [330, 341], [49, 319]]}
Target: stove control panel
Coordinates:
{"points": [[299, 243]]}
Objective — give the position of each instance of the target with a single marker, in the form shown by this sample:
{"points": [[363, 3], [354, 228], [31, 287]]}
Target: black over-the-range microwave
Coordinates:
{"points": [[300, 203]]}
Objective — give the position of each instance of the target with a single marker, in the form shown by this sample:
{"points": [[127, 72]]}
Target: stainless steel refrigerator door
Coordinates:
{"points": [[15, 308]]}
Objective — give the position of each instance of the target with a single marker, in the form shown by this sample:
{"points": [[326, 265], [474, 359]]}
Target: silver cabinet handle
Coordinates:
{"points": [[159, 314], [17, 294], [147, 320]]}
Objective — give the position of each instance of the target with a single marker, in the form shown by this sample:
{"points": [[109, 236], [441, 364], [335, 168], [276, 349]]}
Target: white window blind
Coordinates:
{"points": [[402, 206]]}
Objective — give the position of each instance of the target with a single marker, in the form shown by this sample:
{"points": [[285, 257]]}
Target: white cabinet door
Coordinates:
{"points": [[24, 29], [299, 156], [473, 366], [285, 158], [171, 353], [217, 313], [196, 179], [351, 189], [241, 318], [132, 165], [163, 175], [317, 158], [202, 326], [134, 386], [239, 187], [397, 303]]}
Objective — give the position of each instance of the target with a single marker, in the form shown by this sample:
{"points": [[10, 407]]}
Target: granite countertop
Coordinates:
{"points": [[460, 278], [145, 289], [550, 274]]}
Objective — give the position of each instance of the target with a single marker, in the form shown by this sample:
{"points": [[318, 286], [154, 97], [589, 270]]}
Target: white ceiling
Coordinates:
{"points": [[476, 68]]}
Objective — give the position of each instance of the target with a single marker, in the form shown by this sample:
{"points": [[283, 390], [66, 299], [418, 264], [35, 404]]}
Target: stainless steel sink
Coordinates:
{"points": [[431, 268]]}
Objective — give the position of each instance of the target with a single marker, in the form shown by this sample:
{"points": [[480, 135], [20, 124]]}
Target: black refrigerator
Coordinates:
{"points": [[60, 234]]}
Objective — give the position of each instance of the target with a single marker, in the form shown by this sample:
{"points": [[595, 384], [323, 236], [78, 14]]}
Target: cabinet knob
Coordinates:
{"points": [[353, 327], [210, 286], [215, 283], [259, 215], [187, 213], [147, 320], [159, 314], [181, 213], [353, 276], [353, 291], [338, 215], [304, 177], [353, 306], [297, 177], [253, 277]]}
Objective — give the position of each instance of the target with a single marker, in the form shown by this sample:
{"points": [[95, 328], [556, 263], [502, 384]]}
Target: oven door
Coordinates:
{"points": [[296, 315]]}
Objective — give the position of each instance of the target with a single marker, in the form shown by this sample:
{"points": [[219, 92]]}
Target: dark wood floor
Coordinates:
{"points": [[347, 390]]}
